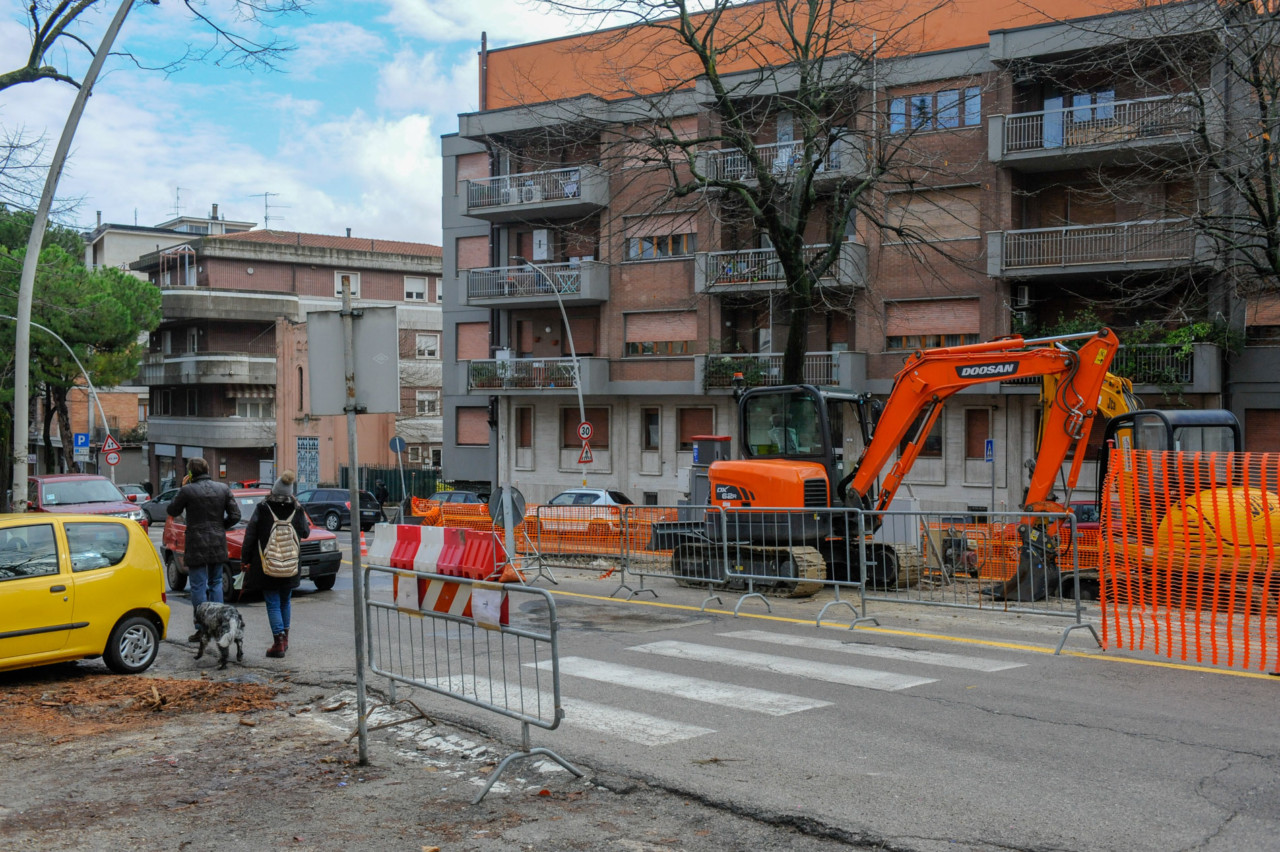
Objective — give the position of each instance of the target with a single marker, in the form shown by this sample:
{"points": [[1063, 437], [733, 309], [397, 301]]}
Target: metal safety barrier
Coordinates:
{"points": [[455, 636]]}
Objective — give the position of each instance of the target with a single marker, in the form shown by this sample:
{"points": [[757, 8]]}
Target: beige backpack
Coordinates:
{"points": [[280, 553]]}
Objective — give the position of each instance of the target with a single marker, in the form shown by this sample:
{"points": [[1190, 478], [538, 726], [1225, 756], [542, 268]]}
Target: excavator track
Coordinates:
{"points": [[809, 565]]}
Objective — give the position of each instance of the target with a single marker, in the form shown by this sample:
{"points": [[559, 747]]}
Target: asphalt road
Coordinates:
{"points": [[937, 728]]}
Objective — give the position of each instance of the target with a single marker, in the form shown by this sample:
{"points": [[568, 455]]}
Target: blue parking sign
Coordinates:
{"points": [[81, 440]]}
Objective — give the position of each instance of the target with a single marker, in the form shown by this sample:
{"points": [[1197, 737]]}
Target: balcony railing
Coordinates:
{"points": [[1155, 365], [525, 188], [503, 281], [783, 159], [745, 268], [762, 369], [1082, 245], [521, 373], [1101, 123]]}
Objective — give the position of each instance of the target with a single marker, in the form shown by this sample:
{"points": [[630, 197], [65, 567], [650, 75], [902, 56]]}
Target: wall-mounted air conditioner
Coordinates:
{"points": [[1022, 296]]}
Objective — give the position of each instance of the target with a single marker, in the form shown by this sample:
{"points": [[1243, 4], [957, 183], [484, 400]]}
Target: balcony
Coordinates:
{"points": [[843, 368], [547, 194], [759, 269], [220, 432], [1074, 250], [584, 283], [843, 160], [1161, 368], [1101, 133], [535, 375], [207, 368]]}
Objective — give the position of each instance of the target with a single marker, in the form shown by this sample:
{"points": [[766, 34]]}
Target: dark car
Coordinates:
{"points": [[155, 507], [331, 508], [457, 497], [319, 562], [81, 494]]}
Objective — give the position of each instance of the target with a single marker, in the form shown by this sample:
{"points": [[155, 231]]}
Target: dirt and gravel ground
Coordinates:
{"points": [[248, 759]]}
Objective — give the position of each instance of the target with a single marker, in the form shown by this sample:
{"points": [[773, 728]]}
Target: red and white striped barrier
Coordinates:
{"points": [[442, 550]]}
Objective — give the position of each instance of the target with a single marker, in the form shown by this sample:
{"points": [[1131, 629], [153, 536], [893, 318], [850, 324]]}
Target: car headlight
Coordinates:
{"points": [[328, 545], [137, 515]]}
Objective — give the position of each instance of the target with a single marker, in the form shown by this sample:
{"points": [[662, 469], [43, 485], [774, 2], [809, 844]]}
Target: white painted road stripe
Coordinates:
{"points": [[629, 725], [932, 658], [848, 675], [692, 688]]}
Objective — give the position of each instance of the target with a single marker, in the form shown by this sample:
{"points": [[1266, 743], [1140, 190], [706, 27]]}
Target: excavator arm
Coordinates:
{"points": [[932, 376]]}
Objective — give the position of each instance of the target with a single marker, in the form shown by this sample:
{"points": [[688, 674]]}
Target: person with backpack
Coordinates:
{"points": [[271, 555]]}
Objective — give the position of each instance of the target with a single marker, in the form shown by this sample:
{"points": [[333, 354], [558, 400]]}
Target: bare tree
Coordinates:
{"points": [[59, 29], [769, 118]]}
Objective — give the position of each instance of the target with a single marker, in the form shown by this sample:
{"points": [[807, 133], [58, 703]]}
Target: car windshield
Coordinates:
{"points": [[71, 491], [247, 504]]}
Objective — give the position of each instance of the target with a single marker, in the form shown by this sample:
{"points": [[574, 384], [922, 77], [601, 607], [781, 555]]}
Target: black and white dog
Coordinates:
{"points": [[220, 624]]}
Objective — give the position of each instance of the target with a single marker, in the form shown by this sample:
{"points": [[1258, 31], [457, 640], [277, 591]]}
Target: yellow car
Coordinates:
{"points": [[76, 586]]}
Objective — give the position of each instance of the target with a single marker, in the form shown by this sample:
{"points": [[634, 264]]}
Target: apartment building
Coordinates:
{"points": [[1050, 172], [228, 370], [112, 244]]}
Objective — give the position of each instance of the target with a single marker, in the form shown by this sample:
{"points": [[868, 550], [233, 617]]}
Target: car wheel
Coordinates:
{"points": [[230, 593], [173, 575], [332, 522], [132, 646], [325, 582]]}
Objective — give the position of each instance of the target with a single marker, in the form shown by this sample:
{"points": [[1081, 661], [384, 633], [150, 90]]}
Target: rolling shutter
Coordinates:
{"points": [[584, 336], [661, 325], [932, 316], [473, 427], [937, 214], [473, 341], [662, 224]]}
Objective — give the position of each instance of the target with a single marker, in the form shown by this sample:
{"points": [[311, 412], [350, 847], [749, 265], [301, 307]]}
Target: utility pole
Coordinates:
{"points": [[27, 284]]}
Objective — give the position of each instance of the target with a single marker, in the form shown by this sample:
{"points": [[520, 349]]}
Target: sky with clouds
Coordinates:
{"points": [[345, 135]]}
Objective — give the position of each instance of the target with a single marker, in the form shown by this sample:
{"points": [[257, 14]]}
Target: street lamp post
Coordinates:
{"points": [[92, 391], [568, 332]]}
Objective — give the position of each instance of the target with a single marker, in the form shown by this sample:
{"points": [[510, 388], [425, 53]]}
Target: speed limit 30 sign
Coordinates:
{"points": [[584, 430]]}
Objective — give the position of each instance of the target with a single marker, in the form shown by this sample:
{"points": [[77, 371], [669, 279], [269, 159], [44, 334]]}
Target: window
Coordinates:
{"points": [[144, 406], [473, 426], [96, 545], [433, 293], [346, 279], [193, 403], [599, 420], [435, 458], [650, 429], [164, 403], [256, 408], [932, 446], [524, 427], [667, 245], [930, 323], [415, 289], [936, 110], [301, 387], [661, 235], [28, 551], [428, 346], [428, 402], [660, 332], [415, 455], [977, 429], [691, 422]]}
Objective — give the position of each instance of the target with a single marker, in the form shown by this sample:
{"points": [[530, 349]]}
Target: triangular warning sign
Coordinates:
{"points": [[585, 458], [110, 445]]}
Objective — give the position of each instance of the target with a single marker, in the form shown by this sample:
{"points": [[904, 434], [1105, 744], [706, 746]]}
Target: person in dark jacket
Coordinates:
{"points": [[211, 511], [276, 591], [381, 494]]}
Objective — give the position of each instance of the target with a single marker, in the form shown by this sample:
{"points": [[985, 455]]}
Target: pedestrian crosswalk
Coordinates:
{"points": [[796, 661]]}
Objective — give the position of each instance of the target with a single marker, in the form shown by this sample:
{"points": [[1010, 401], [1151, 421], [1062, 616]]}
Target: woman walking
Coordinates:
{"points": [[267, 540]]}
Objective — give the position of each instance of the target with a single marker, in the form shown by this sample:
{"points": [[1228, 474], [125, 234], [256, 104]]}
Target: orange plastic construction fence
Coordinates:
{"points": [[1189, 546]]}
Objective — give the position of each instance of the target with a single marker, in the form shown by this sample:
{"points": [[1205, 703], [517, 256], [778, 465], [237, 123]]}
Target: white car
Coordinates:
{"points": [[584, 510]]}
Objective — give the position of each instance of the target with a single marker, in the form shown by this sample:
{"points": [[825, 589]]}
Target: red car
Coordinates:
{"points": [[320, 560], [81, 494]]}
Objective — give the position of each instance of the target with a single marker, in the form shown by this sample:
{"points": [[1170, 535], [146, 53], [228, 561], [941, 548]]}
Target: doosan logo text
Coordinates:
{"points": [[1007, 368]]}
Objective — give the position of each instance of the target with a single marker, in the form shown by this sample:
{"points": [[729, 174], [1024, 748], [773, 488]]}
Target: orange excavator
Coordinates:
{"points": [[793, 440]]}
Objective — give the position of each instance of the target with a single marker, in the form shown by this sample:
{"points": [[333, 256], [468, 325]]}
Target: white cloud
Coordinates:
{"points": [[331, 44], [415, 82], [506, 21]]}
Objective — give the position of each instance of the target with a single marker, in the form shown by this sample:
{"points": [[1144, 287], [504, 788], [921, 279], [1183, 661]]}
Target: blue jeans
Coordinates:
{"points": [[278, 609], [206, 583]]}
